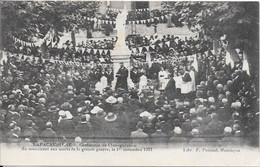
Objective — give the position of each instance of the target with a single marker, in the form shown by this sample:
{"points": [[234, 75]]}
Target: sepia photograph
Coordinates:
{"points": [[129, 83]]}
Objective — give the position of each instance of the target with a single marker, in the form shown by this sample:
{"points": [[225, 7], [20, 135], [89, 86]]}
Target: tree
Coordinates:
{"points": [[238, 20], [29, 20]]}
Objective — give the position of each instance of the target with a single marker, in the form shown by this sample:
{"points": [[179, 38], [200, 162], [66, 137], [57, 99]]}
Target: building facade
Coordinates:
{"points": [[131, 4]]}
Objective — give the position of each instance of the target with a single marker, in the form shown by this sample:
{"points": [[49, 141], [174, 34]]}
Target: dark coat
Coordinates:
{"points": [[112, 130], [135, 76], [170, 90], [84, 130], [49, 135], [139, 136], [66, 128], [98, 126], [122, 75], [31, 134], [158, 137]]}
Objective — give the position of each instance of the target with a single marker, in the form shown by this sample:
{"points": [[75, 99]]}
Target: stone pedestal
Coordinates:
{"points": [[119, 55]]}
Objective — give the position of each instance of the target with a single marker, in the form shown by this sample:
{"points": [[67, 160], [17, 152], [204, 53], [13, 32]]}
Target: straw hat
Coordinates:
{"points": [[111, 100], [110, 117]]}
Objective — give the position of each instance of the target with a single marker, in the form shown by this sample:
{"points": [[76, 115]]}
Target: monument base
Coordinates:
{"points": [[118, 57]]}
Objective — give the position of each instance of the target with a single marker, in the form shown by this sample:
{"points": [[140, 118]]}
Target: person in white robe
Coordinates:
{"points": [[103, 81], [161, 78], [99, 87], [142, 83]]}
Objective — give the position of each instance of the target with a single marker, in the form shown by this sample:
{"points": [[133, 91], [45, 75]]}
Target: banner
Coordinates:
{"points": [[143, 9], [168, 43], [229, 60], [48, 37], [245, 66]]}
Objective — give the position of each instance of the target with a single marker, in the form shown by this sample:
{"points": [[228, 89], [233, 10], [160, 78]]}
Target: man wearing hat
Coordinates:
{"points": [[76, 119], [66, 106], [84, 129], [66, 125], [122, 75], [111, 128], [110, 101]]}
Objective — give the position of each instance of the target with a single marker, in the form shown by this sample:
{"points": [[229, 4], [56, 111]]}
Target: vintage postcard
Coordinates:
{"points": [[146, 83]]}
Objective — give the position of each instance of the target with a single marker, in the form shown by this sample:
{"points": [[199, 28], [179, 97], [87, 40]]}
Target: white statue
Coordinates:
{"points": [[120, 27]]}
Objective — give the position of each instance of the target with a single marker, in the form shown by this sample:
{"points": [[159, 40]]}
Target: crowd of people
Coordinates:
{"points": [[100, 44], [214, 104]]}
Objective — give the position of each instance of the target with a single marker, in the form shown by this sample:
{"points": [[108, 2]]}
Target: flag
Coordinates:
{"points": [[83, 49], [134, 50], [168, 43], [195, 62], [207, 53], [237, 50], [229, 60], [245, 66], [212, 51]]}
